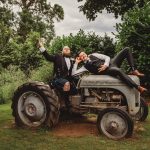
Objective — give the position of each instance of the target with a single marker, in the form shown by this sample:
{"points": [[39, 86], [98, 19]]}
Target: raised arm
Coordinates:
{"points": [[46, 55], [42, 49]]}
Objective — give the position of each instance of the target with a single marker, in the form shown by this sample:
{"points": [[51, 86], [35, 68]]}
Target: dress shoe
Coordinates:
{"points": [[141, 89], [137, 73]]}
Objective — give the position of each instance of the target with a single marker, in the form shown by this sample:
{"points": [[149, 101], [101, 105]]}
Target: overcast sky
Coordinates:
{"points": [[75, 20]]}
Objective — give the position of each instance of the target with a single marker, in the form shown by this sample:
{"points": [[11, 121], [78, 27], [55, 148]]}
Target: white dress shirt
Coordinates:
{"points": [[68, 63]]}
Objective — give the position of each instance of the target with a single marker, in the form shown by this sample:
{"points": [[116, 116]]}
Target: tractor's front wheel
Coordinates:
{"points": [[35, 104], [115, 123]]}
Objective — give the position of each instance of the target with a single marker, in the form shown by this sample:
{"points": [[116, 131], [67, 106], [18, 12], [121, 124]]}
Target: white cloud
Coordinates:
{"points": [[75, 20]]}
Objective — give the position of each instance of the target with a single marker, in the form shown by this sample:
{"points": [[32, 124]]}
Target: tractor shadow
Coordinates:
{"points": [[76, 125]]}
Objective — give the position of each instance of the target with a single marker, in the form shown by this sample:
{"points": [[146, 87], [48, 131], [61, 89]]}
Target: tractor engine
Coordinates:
{"points": [[102, 96], [98, 98]]}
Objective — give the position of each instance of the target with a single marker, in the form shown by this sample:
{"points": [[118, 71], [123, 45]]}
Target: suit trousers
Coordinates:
{"points": [[115, 70]]}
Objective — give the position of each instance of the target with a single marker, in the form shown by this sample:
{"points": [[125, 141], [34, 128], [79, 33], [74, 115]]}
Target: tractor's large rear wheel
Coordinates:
{"points": [[143, 112], [34, 105]]}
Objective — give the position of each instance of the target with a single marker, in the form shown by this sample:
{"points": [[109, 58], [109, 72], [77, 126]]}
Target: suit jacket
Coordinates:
{"points": [[94, 64], [60, 66]]}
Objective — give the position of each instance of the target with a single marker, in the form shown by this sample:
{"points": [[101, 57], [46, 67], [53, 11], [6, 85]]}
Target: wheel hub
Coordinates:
{"points": [[33, 107], [114, 125], [30, 110]]}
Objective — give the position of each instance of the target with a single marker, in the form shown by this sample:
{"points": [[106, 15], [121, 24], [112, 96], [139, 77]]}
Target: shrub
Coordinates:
{"points": [[10, 79], [43, 73]]}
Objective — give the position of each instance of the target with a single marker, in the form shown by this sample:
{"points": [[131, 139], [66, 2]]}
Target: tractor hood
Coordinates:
{"points": [[103, 80]]}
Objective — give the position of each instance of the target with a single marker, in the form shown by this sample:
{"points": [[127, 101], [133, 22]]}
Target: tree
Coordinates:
{"points": [[6, 32], [38, 16], [22, 22], [134, 32], [91, 8], [34, 15]]}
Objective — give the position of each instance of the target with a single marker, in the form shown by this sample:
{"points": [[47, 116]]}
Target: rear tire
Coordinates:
{"points": [[35, 104], [115, 123], [143, 112]]}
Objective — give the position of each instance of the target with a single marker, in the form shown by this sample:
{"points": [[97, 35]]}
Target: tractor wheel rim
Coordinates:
{"points": [[114, 126], [32, 109]]}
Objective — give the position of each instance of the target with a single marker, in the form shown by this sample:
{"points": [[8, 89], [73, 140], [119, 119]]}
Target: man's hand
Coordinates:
{"points": [[102, 68], [78, 60], [41, 43]]}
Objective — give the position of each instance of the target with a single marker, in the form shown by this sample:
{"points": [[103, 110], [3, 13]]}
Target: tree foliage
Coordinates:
{"points": [[134, 32], [22, 22], [24, 55], [90, 42], [91, 8], [6, 32], [38, 16], [33, 15]]}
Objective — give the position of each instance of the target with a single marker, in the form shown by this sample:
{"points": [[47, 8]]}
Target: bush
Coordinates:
{"points": [[10, 79], [43, 73]]}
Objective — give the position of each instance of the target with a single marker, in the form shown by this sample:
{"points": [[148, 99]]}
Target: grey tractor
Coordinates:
{"points": [[117, 106]]}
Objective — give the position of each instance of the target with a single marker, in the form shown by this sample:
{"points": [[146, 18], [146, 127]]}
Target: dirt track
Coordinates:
{"points": [[77, 127], [82, 126]]}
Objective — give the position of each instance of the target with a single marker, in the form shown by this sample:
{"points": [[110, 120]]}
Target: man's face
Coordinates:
{"points": [[66, 51], [83, 56]]}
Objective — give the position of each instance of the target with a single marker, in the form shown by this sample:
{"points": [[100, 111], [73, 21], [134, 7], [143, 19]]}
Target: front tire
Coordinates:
{"points": [[115, 123], [35, 104]]}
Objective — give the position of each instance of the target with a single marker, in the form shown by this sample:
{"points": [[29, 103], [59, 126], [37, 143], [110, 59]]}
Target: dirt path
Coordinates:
{"points": [[83, 126], [76, 127]]}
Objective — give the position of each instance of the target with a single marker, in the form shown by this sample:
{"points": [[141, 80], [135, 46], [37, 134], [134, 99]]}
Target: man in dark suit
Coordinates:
{"points": [[62, 71]]}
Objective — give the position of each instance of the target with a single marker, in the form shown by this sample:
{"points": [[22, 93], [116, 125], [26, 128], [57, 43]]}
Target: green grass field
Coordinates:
{"points": [[12, 138]]}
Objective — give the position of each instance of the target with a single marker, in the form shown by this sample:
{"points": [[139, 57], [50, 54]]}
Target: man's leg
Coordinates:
{"points": [[63, 85], [73, 85], [117, 72], [121, 56]]}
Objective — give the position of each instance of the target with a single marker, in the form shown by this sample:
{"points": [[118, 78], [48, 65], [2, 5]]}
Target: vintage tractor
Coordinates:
{"points": [[36, 104]]}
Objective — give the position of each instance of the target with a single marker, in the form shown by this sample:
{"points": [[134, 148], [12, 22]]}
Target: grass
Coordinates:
{"points": [[12, 138]]}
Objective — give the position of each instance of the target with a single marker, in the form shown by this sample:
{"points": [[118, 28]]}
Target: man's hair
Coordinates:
{"points": [[78, 52], [66, 47]]}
